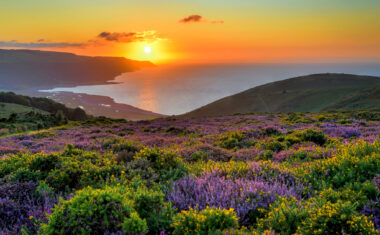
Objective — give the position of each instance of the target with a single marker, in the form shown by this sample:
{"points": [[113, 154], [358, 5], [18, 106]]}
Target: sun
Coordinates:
{"points": [[147, 49]]}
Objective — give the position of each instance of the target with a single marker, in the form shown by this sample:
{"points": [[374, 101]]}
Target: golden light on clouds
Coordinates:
{"points": [[157, 52], [236, 31]]}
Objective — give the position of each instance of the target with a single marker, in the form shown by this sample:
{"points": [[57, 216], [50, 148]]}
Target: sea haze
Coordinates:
{"points": [[176, 89]]}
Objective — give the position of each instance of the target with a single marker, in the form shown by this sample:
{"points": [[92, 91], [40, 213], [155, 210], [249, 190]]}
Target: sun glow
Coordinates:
{"points": [[147, 49]]}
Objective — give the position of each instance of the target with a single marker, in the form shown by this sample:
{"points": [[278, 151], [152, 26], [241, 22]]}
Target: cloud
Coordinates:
{"points": [[129, 37], [191, 18], [39, 44], [199, 18], [104, 37]]}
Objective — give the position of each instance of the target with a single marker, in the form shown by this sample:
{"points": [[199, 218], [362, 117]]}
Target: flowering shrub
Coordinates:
{"points": [[150, 205], [168, 165], [351, 132], [233, 140], [273, 145], [22, 205], [315, 216], [311, 135], [271, 169], [333, 218], [134, 224], [73, 168], [94, 211], [284, 216], [209, 220], [245, 196], [354, 163]]}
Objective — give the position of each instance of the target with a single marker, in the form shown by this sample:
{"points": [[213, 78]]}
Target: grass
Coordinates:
{"points": [[7, 109]]}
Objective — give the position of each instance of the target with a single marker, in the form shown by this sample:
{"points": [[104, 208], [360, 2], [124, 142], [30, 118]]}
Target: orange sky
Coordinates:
{"points": [[210, 31]]}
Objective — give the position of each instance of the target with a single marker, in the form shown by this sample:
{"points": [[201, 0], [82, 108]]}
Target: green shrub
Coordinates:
{"points": [[94, 211], [232, 140], [25, 175], [71, 169], [272, 145], [134, 224], [150, 205], [316, 216], [284, 216], [311, 135], [142, 168], [266, 155], [44, 163], [335, 218], [168, 165], [209, 220], [127, 145], [108, 143], [353, 164], [60, 181]]}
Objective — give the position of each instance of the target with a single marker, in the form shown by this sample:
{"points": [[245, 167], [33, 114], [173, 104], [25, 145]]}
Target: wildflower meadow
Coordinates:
{"points": [[295, 173]]}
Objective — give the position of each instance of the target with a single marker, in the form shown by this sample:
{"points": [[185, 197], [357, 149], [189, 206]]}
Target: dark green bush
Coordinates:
{"points": [[168, 165], [94, 211], [232, 140], [311, 135], [151, 206]]}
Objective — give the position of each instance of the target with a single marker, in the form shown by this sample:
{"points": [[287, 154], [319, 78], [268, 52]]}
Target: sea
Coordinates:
{"points": [[177, 89]]}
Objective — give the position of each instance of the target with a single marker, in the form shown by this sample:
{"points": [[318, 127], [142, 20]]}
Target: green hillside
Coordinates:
{"points": [[366, 99], [311, 93], [44, 104], [23, 113], [6, 109]]}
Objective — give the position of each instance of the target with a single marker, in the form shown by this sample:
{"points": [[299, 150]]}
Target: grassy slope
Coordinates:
{"points": [[364, 99], [301, 94], [7, 109]]}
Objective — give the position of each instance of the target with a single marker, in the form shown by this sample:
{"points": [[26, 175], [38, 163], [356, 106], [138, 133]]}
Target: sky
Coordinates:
{"points": [[198, 31]]}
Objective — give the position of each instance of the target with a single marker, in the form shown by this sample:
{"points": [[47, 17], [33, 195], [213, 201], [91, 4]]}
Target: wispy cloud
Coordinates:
{"points": [[100, 39], [191, 18], [199, 18], [127, 37], [39, 44]]}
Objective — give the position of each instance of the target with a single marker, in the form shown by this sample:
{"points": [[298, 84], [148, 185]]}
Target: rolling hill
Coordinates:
{"points": [[311, 93], [33, 69], [28, 71]]}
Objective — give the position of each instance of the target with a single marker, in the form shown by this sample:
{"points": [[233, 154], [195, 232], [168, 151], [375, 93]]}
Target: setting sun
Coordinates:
{"points": [[147, 49]]}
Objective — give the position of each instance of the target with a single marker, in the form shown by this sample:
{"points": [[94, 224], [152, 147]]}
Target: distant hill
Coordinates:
{"points": [[33, 69], [27, 71], [43, 104], [311, 93]]}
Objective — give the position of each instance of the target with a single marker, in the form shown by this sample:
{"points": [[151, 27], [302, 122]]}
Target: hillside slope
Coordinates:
{"points": [[6, 109], [45, 104], [28, 69], [310, 93], [366, 99]]}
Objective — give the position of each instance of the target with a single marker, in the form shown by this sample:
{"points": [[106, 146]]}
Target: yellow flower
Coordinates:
{"points": [[31, 217]]}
